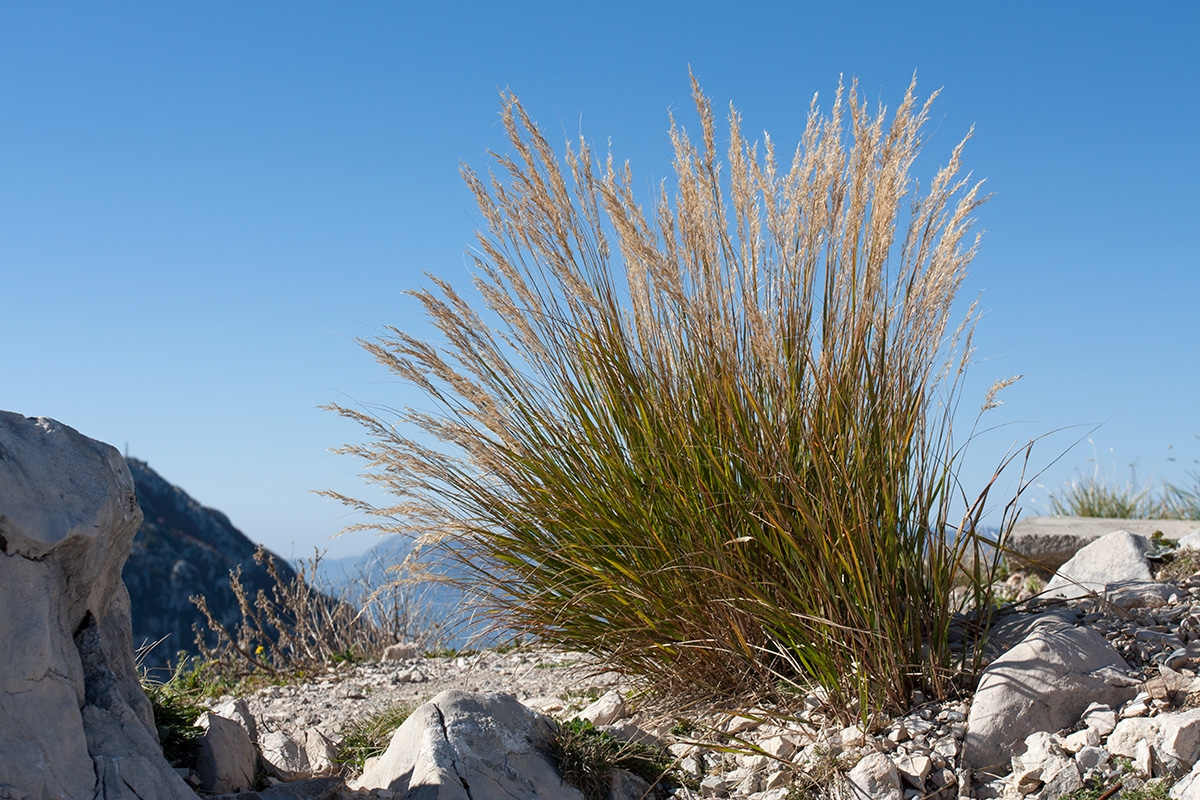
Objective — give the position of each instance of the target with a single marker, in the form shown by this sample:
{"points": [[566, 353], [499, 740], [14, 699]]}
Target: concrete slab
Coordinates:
{"points": [[1049, 542]]}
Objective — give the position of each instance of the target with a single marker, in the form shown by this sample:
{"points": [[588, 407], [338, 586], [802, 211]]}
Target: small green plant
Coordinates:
{"points": [[450, 652], [683, 727], [370, 736], [176, 706], [347, 656], [1093, 789], [1180, 566], [1158, 789], [586, 758], [1160, 540]]}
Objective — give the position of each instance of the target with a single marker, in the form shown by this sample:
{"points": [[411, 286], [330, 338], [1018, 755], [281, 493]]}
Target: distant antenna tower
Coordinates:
{"points": [[127, 451]]}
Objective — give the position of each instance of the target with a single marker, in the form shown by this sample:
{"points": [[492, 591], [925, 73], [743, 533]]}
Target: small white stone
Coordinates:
{"points": [[713, 786], [778, 778], [606, 710], [1139, 706], [1143, 758], [402, 651], [1088, 737], [779, 746], [1091, 757], [875, 777], [853, 734], [914, 769], [1101, 718]]}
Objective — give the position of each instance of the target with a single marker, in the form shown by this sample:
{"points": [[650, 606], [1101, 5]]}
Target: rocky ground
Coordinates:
{"points": [[1153, 625]]}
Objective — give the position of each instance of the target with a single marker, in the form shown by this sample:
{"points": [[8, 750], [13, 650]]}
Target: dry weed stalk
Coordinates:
{"points": [[301, 627]]}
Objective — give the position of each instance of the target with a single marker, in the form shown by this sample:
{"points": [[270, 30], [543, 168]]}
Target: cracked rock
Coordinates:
{"points": [[74, 721], [462, 746]]}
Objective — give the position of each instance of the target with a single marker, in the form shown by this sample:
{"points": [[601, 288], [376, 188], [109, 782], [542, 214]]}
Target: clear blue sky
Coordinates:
{"points": [[203, 204]]}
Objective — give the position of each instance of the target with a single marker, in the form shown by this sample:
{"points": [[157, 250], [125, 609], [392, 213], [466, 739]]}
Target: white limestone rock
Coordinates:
{"points": [[1178, 743], [627, 786], [402, 651], [1188, 788], [1139, 594], [1043, 684], [1089, 758], [914, 768], [227, 761], [1124, 739], [1049, 542], [284, 754], [74, 721], [1101, 718], [1191, 541], [1173, 740], [489, 742], [606, 710], [320, 749], [238, 711], [1044, 767], [1115, 558], [874, 777]]}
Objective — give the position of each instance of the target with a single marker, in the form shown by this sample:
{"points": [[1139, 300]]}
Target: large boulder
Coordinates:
{"points": [[462, 746], [1115, 558], [1049, 542], [1045, 683], [74, 721]]}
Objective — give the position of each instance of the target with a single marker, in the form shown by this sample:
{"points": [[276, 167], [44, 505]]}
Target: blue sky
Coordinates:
{"points": [[202, 205]]}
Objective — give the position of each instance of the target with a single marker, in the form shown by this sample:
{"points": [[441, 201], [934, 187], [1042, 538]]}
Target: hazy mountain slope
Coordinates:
{"points": [[183, 549], [347, 578]]}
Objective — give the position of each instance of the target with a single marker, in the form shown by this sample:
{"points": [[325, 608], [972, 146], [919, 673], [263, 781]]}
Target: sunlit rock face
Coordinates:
{"points": [[74, 721]]}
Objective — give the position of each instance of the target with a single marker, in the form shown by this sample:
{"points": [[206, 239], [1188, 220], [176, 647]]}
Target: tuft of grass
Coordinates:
{"points": [[450, 652], [1150, 790], [1180, 566], [176, 706], [1183, 501], [710, 441], [586, 758], [1096, 494], [369, 737]]}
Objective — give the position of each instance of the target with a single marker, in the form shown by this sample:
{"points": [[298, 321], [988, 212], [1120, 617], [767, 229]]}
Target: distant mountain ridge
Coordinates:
{"points": [[345, 578], [182, 549]]}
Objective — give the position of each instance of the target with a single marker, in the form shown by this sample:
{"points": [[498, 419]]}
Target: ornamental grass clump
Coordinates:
{"points": [[709, 440]]}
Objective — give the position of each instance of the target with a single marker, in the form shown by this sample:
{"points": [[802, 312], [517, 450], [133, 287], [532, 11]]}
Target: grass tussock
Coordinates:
{"points": [[709, 440], [370, 736], [588, 757], [1095, 494], [176, 703]]}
